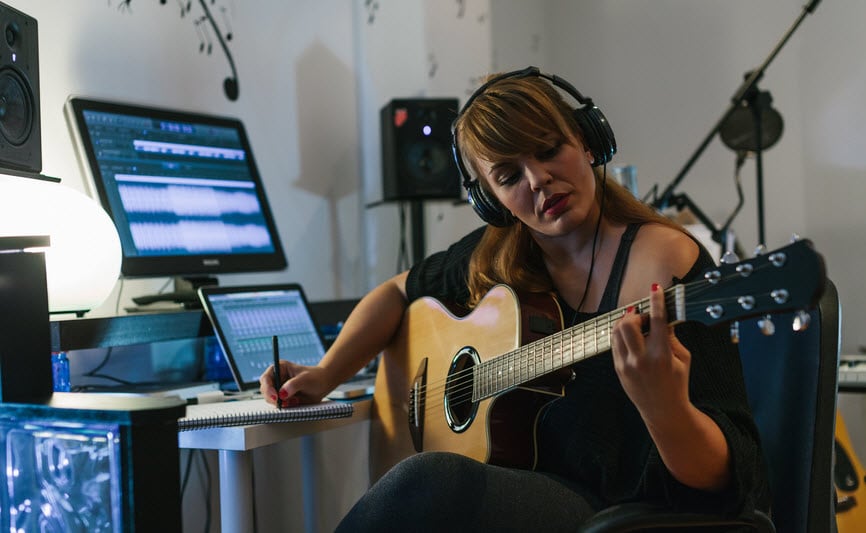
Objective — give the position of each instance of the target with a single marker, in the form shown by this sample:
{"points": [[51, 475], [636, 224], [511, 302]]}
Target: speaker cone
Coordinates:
{"points": [[16, 108], [427, 160]]}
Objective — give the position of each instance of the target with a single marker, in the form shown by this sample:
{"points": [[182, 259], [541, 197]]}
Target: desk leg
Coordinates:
{"points": [[308, 475], [236, 491]]}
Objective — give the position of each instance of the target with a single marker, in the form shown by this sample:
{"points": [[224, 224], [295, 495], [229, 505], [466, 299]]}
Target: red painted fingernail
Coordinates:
{"points": [[284, 393], [274, 398], [655, 287], [629, 309]]}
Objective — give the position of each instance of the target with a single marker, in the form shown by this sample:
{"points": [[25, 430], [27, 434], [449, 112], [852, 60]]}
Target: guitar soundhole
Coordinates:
{"points": [[460, 408]]}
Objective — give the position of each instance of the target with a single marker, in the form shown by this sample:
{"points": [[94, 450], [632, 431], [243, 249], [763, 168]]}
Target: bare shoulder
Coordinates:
{"points": [[671, 250], [659, 254]]}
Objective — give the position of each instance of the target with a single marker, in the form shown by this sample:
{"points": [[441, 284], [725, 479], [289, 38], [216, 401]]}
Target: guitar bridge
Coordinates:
{"points": [[417, 399]]}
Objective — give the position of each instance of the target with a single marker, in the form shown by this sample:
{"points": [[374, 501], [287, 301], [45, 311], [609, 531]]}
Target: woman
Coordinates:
{"points": [[662, 418]]}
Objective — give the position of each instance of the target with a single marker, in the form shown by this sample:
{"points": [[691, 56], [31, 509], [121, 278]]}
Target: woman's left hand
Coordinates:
{"points": [[653, 368]]}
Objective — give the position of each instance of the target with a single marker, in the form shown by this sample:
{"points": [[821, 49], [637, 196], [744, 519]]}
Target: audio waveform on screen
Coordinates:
{"points": [[187, 201], [194, 236]]}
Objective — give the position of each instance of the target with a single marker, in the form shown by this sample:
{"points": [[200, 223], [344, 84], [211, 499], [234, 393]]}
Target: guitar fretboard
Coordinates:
{"points": [[559, 350]]}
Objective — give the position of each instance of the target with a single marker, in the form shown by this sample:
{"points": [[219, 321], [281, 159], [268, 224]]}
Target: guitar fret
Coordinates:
{"points": [[497, 377], [475, 384], [520, 367], [544, 356], [503, 373], [537, 362]]}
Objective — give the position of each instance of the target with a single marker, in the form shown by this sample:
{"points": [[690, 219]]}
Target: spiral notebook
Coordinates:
{"points": [[257, 411]]}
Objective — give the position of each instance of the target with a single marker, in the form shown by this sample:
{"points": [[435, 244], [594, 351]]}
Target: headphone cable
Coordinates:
{"points": [[594, 242]]}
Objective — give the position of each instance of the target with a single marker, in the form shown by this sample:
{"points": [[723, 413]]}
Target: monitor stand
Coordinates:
{"points": [[185, 292]]}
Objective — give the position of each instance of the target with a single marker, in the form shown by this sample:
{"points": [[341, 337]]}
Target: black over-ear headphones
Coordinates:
{"points": [[597, 135]]}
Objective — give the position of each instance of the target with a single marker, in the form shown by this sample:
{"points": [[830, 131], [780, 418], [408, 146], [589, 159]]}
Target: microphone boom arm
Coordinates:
{"points": [[739, 96]]}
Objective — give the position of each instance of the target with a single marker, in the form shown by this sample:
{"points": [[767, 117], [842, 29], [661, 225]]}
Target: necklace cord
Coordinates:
{"points": [[594, 242]]}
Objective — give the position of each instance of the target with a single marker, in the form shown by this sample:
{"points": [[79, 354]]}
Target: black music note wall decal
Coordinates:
{"points": [[372, 7], [201, 23]]}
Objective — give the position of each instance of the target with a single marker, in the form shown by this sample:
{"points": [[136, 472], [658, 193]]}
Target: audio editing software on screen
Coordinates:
{"points": [[249, 320], [181, 188]]}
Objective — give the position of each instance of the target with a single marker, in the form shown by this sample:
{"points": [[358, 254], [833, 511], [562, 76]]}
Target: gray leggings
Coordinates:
{"points": [[438, 491]]}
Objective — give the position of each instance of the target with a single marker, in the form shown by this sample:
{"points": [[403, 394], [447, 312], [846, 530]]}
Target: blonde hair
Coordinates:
{"points": [[513, 117]]}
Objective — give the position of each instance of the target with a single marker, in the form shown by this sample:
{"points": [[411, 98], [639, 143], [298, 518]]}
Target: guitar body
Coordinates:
{"points": [[433, 344], [849, 479]]}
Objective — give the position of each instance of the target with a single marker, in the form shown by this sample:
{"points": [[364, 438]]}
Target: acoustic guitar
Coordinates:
{"points": [[476, 384], [849, 479]]}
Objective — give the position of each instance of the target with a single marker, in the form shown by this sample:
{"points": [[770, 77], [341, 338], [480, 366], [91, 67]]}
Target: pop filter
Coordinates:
{"points": [[738, 130]]}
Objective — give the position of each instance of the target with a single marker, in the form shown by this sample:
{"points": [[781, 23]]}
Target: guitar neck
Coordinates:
{"points": [[787, 279], [562, 349]]}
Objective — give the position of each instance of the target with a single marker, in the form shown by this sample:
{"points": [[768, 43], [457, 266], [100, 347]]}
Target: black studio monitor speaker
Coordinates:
{"points": [[416, 150], [25, 335], [20, 133]]}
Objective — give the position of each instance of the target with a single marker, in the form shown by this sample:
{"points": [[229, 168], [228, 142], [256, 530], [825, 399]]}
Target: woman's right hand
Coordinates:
{"points": [[299, 384]]}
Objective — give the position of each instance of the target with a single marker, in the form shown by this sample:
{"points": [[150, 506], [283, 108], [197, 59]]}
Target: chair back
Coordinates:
{"points": [[792, 380]]}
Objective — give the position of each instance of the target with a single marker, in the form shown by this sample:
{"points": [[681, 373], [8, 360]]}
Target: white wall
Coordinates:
{"points": [[665, 71], [298, 99]]}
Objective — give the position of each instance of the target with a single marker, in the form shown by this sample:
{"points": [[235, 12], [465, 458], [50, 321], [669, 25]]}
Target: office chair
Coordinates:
{"points": [[791, 380]]}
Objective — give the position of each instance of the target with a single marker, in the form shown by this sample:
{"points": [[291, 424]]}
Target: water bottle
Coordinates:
{"points": [[60, 371]]}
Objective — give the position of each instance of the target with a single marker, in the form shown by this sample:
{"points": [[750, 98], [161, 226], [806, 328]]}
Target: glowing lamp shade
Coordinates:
{"points": [[83, 262]]}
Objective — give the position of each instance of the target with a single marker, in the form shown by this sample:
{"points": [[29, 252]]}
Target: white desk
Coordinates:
{"points": [[235, 461]]}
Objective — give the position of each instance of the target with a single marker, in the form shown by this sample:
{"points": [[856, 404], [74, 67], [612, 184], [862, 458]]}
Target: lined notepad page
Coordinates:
{"points": [[258, 411]]}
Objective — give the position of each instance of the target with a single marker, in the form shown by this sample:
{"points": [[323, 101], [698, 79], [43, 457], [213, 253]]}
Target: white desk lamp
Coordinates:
{"points": [[83, 260]]}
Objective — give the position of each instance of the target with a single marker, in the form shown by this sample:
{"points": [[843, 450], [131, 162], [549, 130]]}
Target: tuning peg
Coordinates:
{"points": [[735, 332], [766, 325], [728, 258], [801, 321], [760, 250]]}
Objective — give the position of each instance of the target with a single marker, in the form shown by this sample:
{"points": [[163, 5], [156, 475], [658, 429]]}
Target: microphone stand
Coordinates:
{"points": [[758, 101], [746, 90]]}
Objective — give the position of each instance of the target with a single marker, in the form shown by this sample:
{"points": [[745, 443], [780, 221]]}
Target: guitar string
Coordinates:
{"points": [[555, 342], [526, 357], [530, 357], [466, 393], [562, 343], [564, 340]]}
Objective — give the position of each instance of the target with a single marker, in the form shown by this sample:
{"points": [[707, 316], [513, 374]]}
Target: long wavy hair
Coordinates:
{"points": [[512, 118]]}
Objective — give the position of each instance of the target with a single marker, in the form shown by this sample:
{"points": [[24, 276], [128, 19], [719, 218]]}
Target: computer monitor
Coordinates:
{"points": [[182, 189]]}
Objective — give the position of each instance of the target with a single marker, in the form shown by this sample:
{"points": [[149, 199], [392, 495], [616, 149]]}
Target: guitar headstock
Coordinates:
{"points": [[790, 278]]}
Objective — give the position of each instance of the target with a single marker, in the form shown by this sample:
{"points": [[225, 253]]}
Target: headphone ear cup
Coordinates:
{"points": [[487, 207], [597, 133]]}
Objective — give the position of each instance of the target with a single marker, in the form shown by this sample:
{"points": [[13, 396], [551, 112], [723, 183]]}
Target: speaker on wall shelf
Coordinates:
{"points": [[20, 133], [416, 149]]}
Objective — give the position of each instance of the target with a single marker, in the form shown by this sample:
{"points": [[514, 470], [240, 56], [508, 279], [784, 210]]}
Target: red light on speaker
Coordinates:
{"points": [[401, 115]]}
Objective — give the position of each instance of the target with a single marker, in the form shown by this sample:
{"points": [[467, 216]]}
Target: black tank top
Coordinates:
{"points": [[611, 291]]}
